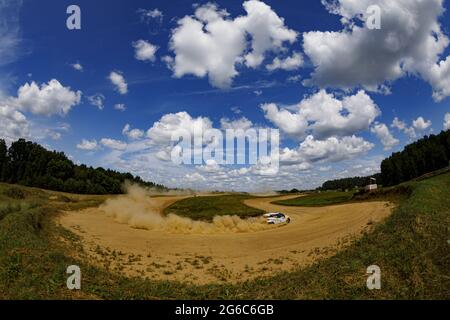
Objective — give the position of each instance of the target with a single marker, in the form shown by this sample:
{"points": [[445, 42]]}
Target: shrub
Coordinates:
{"points": [[15, 193]]}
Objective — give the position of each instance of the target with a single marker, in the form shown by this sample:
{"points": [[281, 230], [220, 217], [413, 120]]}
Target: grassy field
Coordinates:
{"points": [[318, 199], [411, 247], [32, 258], [205, 208]]}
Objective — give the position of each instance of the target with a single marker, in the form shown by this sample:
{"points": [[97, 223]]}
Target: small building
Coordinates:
{"points": [[372, 186]]}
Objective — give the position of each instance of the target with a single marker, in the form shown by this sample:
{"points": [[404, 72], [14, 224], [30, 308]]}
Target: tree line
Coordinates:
{"points": [[349, 183], [32, 165], [423, 156]]}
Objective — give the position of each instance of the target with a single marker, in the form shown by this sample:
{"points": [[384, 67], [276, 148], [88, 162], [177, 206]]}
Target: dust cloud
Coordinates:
{"points": [[142, 209]]}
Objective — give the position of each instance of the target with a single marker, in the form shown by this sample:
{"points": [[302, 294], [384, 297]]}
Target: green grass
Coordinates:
{"points": [[411, 247], [206, 208], [318, 199], [32, 261]]}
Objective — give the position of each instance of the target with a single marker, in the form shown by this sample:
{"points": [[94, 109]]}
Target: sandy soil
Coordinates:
{"points": [[198, 258]]}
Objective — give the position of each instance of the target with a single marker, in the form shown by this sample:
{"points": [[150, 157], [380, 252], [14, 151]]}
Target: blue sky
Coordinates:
{"points": [[400, 71]]}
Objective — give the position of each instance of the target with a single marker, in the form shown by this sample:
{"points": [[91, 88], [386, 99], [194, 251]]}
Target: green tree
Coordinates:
{"points": [[30, 164], [3, 158], [425, 155]]}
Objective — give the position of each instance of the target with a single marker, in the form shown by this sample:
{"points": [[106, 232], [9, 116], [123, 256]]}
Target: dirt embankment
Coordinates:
{"points": [[199, 257]]}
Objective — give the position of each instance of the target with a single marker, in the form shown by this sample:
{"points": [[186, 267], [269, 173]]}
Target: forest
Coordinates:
{"points": [[349, 183], [32, 165], [423, 156]]}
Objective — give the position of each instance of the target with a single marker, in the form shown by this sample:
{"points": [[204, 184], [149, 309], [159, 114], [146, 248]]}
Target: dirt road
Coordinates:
{"points": [[203, 258]]}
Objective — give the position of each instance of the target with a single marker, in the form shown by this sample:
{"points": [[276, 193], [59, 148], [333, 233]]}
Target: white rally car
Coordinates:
{"points": [[277, 218]]}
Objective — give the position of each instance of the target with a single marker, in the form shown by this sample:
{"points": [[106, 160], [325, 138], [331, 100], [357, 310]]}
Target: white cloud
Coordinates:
{"points": [[48, 99], [236, 110], [54, 132], [417, 127], [133, 134], [293, 124], [325, 115], [291, 156], [88, 145], [289, 63], [120, 107], [194, 177], [164, 154], [242, 123], [294, 79], [332, 116], [210, 176], [144, 50], [113, 144], [53, 135], [410, 41], [13, 124], [332, 149], [211, 44], [401, 125], [77, 66], [149, 157], [210, 166], [118, 80], [238, 172], [147, 14], [169, 61], [207, 47], [439, 77], [385, 136], [161, 132], [420, 124], [9, 31], [267, 30], [97, 100], [447, 121], [174, 123]]}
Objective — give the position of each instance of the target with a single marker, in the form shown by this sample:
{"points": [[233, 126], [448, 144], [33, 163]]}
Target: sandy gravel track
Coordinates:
{"points": [[313, 233]]}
